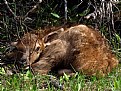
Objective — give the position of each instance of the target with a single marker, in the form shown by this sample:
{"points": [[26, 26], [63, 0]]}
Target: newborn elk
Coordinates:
{"points": [[78, 48]]}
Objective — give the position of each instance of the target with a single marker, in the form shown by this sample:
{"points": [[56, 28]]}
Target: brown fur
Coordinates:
{"points": [[27, 49], [78, 48]]}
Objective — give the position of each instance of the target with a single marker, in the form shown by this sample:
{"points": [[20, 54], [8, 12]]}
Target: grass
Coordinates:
{"points": [[28, 82], [79, 82]]}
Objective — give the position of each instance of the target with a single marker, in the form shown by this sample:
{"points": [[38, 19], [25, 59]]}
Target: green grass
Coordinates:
{"points": [[47, 15], [28, 82], [79, 82]]}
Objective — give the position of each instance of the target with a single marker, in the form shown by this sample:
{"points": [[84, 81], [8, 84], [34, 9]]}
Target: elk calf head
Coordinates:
{"points": [[27, 49]]}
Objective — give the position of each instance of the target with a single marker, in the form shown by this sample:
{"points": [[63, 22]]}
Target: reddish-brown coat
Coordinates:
{"points": [[78, 48]]}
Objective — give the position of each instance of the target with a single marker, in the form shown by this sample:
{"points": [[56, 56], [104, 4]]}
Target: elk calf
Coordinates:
{"points": [[78, 48]]}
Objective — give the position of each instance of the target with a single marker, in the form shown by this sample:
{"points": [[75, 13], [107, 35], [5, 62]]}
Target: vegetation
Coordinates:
{"points": [[79, 82], [22, 16]]}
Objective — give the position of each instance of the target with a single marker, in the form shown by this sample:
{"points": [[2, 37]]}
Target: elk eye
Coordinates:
{"points": [[37, 49]]}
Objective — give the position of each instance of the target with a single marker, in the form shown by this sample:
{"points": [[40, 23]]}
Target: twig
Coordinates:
{"points": [[6, 3], [65, 4], [31, 10], [24, 17]]}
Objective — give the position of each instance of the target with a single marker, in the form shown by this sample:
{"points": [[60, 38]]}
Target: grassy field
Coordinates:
{"points": [[47, 15], [28, 82], [79, 82]]}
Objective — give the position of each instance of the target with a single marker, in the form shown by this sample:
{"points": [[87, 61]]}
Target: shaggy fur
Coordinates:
{"points": [[77, 48]]}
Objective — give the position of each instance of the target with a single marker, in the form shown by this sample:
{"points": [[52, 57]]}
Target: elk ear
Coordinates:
{"points": [[53, 35], [14, 43], [50, 37]]}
